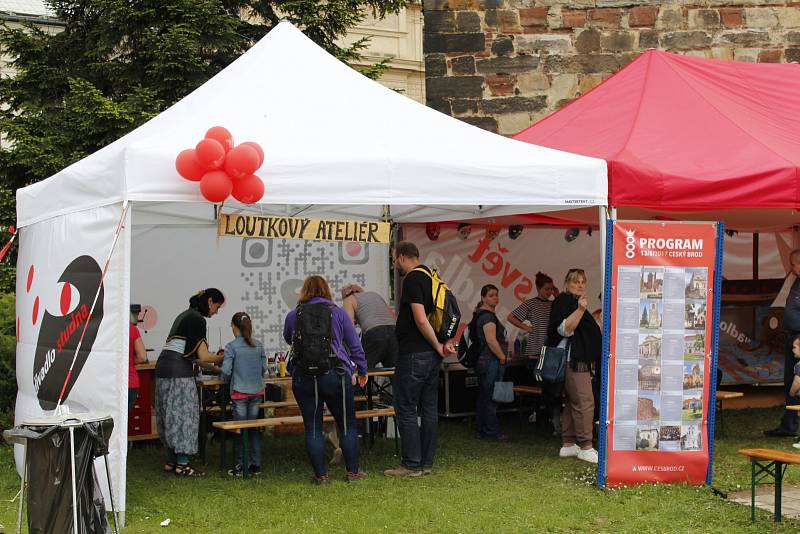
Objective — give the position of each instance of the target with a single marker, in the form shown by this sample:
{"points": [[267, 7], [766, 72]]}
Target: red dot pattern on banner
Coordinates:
{"points": [[35, 310], [30, 278], [353, 249], [66, 298]]}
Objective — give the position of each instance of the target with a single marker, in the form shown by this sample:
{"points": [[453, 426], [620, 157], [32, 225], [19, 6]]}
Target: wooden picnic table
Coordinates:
{"points": [[217, 383], [769, 463]]}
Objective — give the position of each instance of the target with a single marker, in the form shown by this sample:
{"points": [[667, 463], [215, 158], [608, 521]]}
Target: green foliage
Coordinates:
{"points": [[118, 63], [8, 346]]}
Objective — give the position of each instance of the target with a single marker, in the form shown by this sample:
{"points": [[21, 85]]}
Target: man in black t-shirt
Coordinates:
{"points": [[416, 379]]}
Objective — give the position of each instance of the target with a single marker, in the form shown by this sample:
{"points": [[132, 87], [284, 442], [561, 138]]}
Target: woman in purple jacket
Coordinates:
{"points": [[334, 388]]}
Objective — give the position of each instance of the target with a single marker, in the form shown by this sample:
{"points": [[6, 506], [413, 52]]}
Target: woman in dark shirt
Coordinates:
{"points": [[573, 328], [492, 336], [177, 405]]}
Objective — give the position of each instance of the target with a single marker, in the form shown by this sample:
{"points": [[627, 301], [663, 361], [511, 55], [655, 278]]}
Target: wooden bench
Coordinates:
{"points": [[723, 396], [275, 404], [768, 463], [239, 427], [528, 390]]}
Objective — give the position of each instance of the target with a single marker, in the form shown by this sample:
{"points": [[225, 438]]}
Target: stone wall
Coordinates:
{"points": [[504, 64]]}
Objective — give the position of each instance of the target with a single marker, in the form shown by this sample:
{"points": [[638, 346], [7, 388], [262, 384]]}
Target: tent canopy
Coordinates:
{"points": [[683, 133], [332, 138]]}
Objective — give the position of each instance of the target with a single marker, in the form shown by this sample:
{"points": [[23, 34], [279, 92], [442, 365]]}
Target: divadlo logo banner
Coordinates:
{"points": [[59, 333]]}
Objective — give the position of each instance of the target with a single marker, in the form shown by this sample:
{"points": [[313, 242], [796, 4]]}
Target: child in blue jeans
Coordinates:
{"points": [[245, 364]]}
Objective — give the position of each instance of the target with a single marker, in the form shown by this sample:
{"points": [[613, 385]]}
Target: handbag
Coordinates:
{"points": [[503, 391], [552, 365]]}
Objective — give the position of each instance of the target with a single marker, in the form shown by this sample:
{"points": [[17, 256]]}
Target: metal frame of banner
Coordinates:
{"points": [[712, 401], [601, 466]]}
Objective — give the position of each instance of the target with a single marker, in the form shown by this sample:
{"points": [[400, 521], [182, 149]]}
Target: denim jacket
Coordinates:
{"points": [[245, 365]]}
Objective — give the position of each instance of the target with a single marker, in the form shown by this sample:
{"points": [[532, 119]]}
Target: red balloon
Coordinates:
{"points": [[258, 149], [210, 154], [187, 165], [222, 135], [216, 186], [248, 190], [241, 162]]}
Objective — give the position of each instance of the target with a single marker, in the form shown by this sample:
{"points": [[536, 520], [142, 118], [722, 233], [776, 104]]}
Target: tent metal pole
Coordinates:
{"points": [[604, 216]]}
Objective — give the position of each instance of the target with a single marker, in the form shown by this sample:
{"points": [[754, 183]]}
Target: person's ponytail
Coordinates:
{"points": [[242, 321]]}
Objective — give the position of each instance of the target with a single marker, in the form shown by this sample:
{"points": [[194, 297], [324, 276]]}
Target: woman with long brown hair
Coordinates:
{"points": [[245, 364], [326, 354]]}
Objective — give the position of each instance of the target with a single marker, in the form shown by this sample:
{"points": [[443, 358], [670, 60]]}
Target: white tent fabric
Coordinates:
{"points": [[331, 137]]}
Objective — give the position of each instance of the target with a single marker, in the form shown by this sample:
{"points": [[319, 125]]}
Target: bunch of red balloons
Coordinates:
{"points": [[223, 169]]}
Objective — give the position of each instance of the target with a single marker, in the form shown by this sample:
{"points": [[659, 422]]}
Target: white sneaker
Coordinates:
{"points": [[796, 445], [569, 452], [588, 455]]}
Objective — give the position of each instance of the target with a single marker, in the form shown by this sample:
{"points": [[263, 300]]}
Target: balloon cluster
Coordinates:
{"points": [[223, 169]]}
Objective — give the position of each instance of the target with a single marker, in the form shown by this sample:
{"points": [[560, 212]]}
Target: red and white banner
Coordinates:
{"points": [[660, 360], [59, 266]]}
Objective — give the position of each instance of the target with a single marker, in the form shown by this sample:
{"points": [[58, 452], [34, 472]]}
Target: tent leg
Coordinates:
{"points": [[74, 482], [22, 486], [604, 216]]}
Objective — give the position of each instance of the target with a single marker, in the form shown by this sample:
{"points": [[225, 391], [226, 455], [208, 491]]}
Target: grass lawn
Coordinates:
{"points": [[520, 486]]}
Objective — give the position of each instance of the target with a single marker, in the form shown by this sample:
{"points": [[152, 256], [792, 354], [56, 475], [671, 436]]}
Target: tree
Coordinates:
{"points": [[644, 321], [118, 63]]}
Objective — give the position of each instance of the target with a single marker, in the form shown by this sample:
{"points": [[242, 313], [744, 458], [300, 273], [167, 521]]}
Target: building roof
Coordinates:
{"points": [[32, 8]]}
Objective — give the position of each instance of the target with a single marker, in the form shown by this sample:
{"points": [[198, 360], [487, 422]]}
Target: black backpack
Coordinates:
{"points": [[311, 343], [471, 344], [445, 316]]}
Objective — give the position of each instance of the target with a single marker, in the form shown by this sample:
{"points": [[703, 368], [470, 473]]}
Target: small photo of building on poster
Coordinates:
{"points": [[649, 346], [692, 375], [692, 405], [648, 406], [691, 437], [650, 312], [652, 283], [695, 317], [694, 346], [669, 439], [697, 283], [647, 437], [650, 377]]}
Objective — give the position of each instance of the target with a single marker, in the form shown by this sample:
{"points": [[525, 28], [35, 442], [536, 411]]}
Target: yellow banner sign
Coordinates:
{"points": [[301, 228]]}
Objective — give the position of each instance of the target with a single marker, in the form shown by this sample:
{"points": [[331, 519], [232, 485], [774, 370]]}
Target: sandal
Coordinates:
{"points": [[169, 467], [187, 471]]}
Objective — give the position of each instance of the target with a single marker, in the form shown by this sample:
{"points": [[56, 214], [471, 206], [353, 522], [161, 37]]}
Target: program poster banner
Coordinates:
{"points": [[59, 268], [660, 357]]}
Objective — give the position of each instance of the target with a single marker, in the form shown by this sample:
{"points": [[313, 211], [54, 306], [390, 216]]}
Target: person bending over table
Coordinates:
{"points": [[322, 367], [177, 405], [376, 319]]}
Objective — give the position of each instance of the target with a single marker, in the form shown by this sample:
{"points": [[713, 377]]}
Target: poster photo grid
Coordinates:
{"points": [[660, 351]]}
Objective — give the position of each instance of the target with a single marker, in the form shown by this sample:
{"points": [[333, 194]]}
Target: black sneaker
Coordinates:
{"points": [[254, 470], [237, 471]]}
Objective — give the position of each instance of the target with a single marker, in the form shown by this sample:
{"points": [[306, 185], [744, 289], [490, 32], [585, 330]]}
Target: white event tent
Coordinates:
{"points": [[337, 145]]}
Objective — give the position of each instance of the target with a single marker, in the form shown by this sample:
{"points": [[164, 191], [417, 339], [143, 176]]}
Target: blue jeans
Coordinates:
{"points": [[244, 409], [487, 425], [416, 394], [336, 392]]}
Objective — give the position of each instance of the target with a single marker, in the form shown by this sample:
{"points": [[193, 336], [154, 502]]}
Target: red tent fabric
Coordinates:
{"points": [[683, 133]]}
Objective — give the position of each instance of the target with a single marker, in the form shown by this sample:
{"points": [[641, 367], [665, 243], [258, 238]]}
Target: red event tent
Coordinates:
{"points": [[682, 133]]}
